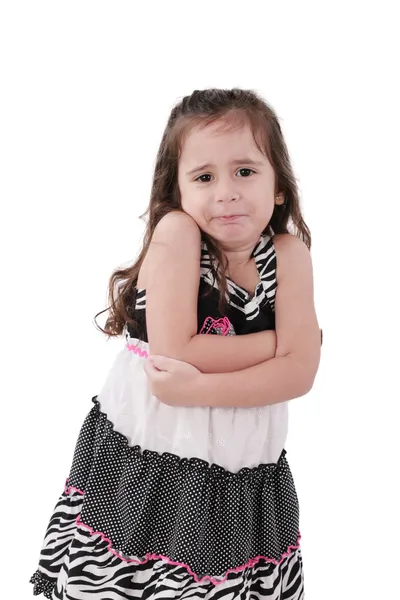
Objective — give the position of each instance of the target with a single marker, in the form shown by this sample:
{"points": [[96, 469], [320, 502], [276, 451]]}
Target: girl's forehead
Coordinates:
{"points": [[218, 136]]}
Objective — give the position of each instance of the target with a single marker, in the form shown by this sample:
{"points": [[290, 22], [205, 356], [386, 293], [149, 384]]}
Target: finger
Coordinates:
{"points": [[163, 363], [150, 370]]}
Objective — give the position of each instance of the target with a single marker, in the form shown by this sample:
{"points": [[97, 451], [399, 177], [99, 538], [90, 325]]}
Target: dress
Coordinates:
{"points": [[177, 502]]}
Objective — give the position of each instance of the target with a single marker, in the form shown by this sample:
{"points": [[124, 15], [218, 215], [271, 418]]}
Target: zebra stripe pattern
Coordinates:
{"points": [[265, 258], [76, 564]]}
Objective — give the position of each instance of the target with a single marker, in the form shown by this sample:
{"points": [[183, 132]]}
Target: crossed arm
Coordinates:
{"points": [[247, 370]]}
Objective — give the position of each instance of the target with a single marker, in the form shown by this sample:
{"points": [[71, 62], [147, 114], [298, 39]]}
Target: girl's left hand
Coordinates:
{"points": [[172, 381]]}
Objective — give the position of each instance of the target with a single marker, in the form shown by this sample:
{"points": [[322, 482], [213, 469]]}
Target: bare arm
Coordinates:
{"points": [[172, 273], [292, 372], [287, 376], [220, 354]]}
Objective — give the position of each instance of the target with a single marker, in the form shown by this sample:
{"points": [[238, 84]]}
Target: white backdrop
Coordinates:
{"points": [[86, 91]]}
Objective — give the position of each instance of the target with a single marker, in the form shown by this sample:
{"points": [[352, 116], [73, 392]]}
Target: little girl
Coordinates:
{"points": [[179, 485]]}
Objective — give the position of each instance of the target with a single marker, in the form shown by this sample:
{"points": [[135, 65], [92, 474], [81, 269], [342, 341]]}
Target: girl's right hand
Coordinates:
{"points": [[172, 381]]}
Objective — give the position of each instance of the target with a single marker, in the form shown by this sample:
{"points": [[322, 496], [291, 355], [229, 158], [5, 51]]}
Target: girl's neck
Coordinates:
{"points": [[239, 257]]}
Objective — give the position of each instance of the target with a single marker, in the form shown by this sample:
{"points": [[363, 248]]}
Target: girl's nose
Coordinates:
{"points": [[225, 191]]}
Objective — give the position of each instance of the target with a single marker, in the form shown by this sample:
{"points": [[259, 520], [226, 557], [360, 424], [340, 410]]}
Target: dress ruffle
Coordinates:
{"points": [[191, 514]]}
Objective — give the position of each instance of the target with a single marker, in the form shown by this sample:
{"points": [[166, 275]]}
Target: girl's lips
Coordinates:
{"points": [[231, 217]]}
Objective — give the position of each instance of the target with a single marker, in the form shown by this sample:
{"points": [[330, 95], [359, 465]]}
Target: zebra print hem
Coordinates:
{"points": [[252, 562], [42, 585], [88, 571]]}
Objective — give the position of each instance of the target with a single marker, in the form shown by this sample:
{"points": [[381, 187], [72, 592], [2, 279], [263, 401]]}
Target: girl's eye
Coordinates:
{"points": [[247, 172], [202, 180]]}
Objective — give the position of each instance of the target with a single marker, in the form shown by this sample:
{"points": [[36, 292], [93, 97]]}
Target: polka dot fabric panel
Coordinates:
{"points": [[185, 509]]}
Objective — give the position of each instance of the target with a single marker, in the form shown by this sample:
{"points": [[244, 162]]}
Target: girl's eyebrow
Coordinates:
{"points": [[238, 161]]}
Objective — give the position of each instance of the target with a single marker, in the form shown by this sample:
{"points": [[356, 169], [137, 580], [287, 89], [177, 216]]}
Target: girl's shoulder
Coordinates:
{"points": [[287, 242], [175, 237], [175, 224], [291, 252]]}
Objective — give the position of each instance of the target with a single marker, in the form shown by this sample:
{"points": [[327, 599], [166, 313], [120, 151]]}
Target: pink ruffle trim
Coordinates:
{"points": [[251, 563], [222, 325], [137, 350]]}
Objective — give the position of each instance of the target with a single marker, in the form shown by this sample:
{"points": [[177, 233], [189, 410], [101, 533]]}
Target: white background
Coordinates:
{"points": [[86, 91]]}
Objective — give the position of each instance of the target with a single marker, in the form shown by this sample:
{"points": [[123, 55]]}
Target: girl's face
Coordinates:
{"points": [[227, 185]]}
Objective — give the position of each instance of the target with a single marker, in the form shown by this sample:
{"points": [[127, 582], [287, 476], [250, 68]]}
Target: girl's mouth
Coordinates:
{"points": [[230, 218]]}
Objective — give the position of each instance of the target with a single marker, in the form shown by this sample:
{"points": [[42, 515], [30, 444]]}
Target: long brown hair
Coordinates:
{"points": [[201, 108]]}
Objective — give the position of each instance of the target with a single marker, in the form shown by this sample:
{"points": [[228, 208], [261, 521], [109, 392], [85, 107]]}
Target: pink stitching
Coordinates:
{"points": [[71, 487], [251, 563], [136, 350], [223, 324]]}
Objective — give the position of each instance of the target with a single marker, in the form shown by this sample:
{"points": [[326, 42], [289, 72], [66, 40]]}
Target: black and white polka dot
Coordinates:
{"points": [[156, 525], [186, 509]]}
